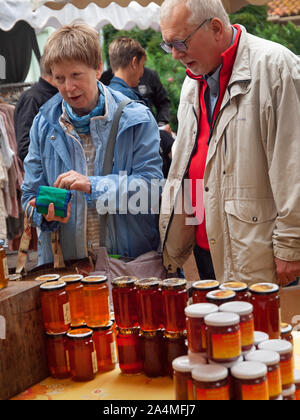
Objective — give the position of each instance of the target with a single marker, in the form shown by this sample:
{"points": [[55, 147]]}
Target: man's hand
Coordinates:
{"points": [[50, 217], [73, 180], [287, 271]]}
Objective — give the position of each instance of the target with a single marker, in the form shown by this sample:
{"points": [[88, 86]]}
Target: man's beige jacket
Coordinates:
{"points": [[252, 176]]}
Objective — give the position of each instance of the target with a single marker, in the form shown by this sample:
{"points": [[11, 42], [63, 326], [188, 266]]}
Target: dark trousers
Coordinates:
{"points": [[204, 263]]}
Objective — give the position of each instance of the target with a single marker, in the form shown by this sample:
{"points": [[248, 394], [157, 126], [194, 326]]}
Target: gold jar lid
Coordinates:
{"points": [[102, 327], [48, 277], [79, 333], [124, 281], [72, 278], [148, 283], [237, 286], [94, 279], [221, 294], [128, 331], [173, 284], [205, 284], [264, 288], [52, 285], [175, 334], [152, 333]]}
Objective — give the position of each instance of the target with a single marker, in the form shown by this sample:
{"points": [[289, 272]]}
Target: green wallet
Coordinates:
{"points": [[58, 196]]}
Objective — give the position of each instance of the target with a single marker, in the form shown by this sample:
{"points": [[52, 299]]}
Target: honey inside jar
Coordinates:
{"points": [[96, 300]]}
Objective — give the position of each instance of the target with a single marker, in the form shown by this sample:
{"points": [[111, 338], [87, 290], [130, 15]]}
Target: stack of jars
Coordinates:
{"points": [[226, 358], [150, 320], [80, 335]]}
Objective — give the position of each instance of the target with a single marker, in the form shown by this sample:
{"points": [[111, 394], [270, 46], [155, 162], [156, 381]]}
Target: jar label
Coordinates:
{"points": [[67, 313], [287, 371], [247, 333], [113, 352], [274, 383], [226, 346], [216, 394], [94, 361], [258, 392]]}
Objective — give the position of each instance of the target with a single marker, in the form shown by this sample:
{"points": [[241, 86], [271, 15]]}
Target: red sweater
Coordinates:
{"points": [[197, 166]]}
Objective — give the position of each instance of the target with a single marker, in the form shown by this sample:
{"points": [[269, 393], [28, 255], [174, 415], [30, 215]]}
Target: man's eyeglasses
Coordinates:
{"points": [[181, 46]]}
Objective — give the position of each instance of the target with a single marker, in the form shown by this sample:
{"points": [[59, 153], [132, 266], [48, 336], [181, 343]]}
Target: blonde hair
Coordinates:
{"points": [[122, 50], [77, 42]]}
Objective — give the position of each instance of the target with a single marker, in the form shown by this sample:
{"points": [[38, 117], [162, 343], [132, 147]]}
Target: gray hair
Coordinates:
{"points": [[200, 10]]}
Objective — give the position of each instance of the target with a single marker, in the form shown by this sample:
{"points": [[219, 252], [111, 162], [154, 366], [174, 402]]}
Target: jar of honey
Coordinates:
{"points": [[130, 350], [297, 384], [174, 346], [149, 304], [250, 381], [82, 354], [182, 378], [3, 269], [57, 355], [48, 277], [272, 360], [174, 299], [196, 329], [285, 350], [229, 366], [201, 288], [240, 289], [74, 290], [286, 333], [153, 353], [106, 347], [224, 344], [245, 311], [211, 383], [260, 337], [55, 307], [266, 308], [289, 394], [218, 297], [124, 300], [96, 301]]}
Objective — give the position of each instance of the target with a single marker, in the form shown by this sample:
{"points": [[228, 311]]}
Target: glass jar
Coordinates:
{"points": [[125, 302], [260, 337], [210, 383], [105, 345], [130, 350], [96, 301], [250, 381], [82, 354], [229, 366], [201, 288], [153, 353], [297, 384], [285, 350], [55, 307], [286, 333], [289, 394], [266, 308], [240, 289], [218, 297], [3, 269], [48, 277], [149, 304], [224, 343], [245, 311], [196, 329], [174, 300], [182, 378], [74, 290], [174, 346], [57, 355], [272, 360]]}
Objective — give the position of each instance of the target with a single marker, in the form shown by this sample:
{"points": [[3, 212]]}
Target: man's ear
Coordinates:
{"points": [[134, 63], [99, 71]]}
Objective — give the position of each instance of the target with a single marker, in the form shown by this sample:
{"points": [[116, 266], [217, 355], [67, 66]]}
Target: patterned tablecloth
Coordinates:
{"points": [[113, 386]]}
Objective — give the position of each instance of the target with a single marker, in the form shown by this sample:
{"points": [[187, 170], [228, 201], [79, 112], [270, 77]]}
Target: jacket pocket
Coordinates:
{"points": [[250, 228]]}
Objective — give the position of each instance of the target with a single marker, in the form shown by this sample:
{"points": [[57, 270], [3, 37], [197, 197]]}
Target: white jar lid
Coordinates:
{"points": [[240, 308], [281, 346], [209, 373], [289, 391], [200, 310], [222, 319], [297, 377], [285, 328], [227, 365], [260, 336], [249, 370], [183, 364], [267, 357]]}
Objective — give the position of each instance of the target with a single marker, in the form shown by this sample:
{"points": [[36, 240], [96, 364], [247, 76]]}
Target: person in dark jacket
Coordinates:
{"points": [[28, 107]]}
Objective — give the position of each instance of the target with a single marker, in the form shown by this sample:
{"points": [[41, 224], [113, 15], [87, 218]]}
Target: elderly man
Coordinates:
{"points": [[237, 151]]}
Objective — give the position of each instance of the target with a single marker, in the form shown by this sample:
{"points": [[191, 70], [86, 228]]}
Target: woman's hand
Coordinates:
{"points": [[50, 217], [73, 180]]}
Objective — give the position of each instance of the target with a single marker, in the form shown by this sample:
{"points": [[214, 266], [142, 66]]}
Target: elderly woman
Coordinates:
{"points": [[68, 141]]}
